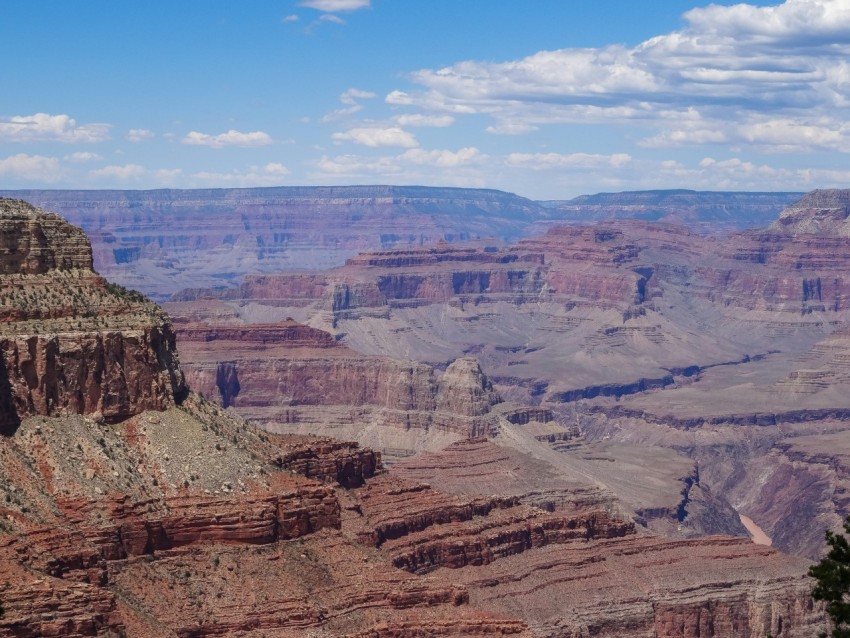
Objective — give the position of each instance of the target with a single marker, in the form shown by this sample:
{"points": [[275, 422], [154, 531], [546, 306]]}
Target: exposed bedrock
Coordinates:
{"points": [[70, 342], [289, 377], [33, 241], [790, 477]]}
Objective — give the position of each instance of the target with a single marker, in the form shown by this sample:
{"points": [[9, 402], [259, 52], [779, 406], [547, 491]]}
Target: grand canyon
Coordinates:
{"points": [[628, 425]]}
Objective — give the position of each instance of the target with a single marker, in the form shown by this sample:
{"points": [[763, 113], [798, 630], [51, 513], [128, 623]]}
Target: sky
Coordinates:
{"points": [[548, 99]]}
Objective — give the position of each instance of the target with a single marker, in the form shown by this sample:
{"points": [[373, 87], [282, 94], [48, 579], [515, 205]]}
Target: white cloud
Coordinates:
{"points": [[549, 161], [731, 64], [437, 164], [332, 6], [290, 18], [443, 159], [138, 134], [792, 21], [374, 137], [36, 168], [398, 98], [465, 167], [168, 175], [268, 175], [125, 173], [333, 19], [83, 156], [418, 119], [230, 138], [275, 168], [511, 128], [350, 96], [43, 127], [765, 133]]}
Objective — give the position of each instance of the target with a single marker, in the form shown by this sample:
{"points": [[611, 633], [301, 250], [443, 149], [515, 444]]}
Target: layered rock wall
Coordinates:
{"points": [[70, 342]]}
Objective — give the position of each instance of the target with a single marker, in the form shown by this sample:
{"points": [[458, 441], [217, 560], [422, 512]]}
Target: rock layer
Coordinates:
{"points": [[69, 341]]}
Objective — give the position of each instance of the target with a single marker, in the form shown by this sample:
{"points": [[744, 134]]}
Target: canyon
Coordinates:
{"points": [[616, 348], [133, 505], [162, 241]]}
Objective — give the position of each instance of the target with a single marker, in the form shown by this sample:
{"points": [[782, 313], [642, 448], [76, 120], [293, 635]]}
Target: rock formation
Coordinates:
{"points": [[647, 328], [295, 379], [710, 210], [220, 235], [70, 342], [821, 212]]}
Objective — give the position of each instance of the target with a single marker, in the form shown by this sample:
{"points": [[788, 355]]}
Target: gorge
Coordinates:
{"points": [[132, 504]]}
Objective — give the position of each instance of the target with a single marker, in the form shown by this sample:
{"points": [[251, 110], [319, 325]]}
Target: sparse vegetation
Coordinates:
{"points": [[832, 574]]}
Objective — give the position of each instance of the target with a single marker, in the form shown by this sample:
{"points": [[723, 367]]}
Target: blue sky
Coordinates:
{"points": [[545, 98]]}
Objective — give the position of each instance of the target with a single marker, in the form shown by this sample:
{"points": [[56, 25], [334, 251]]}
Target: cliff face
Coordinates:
{"points": [[70, 342], [33, 242], [821, 212], [185, 239], [297, 379], [714, 209]]}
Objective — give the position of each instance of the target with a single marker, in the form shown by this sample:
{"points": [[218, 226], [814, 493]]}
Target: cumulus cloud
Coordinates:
{"points": [[798, 134], [790, 23], [333, 6], [168, 175], [83, 156], [138, 134], [290, 18], [230, 138], [375, 136], [413, 164], [330, 17], [549, 161], [35, 168], [350, 96], [511, 128], [268, 175], [124, 173], [419, 119], [43, 127], [443, 159], [399, 98], [730, 64]]}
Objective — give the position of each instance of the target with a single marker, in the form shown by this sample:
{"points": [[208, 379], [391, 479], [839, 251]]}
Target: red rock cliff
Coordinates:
{"points": [[69, 341]]}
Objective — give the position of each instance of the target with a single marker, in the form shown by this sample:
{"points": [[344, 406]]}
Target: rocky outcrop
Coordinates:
{"points": [[296, 379], [328, 460], [33, 241], [69, 341], [113, 374], [424, 529], [820, 212], [465, 390]]}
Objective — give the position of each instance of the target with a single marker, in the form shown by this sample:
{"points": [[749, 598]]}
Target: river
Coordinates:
{"points": [[756, 532]]}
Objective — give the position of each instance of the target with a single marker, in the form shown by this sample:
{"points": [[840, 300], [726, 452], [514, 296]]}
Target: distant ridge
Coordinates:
{"points": [[735, 209], [161, 241], [820, 212]]}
